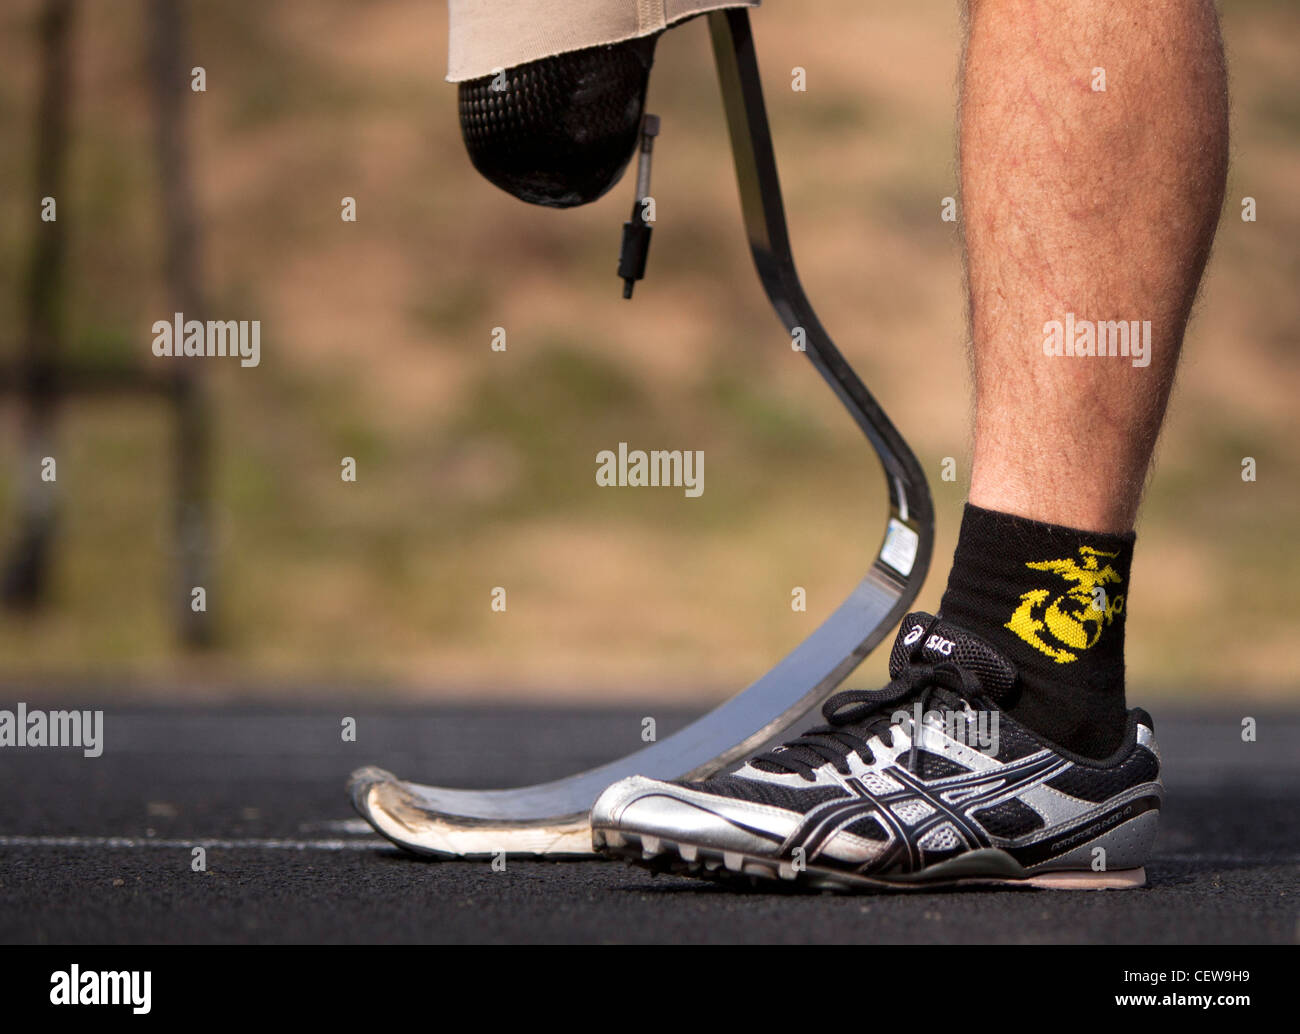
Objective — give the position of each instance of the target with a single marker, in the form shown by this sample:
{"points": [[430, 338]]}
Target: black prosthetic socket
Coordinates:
{"points": [[559, 131]]}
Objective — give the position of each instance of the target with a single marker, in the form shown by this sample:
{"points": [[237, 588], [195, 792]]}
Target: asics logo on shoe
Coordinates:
{"points": [[939, 644], [912, 636], [1063, 626]]}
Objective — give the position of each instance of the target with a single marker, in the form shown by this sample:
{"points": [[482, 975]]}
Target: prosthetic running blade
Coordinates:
{"points": [[552, 818]]}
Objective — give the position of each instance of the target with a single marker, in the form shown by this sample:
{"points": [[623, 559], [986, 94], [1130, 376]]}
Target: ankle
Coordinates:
{"points": [[1052, 599]]}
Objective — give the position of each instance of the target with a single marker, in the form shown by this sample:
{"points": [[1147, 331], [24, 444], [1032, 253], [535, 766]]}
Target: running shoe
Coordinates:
{"points": [[925, 783]]}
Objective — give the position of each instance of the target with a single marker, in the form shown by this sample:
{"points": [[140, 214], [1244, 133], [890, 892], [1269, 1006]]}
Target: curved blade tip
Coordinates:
{"points": [[360, 783]]}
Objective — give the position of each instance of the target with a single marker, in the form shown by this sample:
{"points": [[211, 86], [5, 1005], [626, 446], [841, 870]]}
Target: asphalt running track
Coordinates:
{"points": [[99, 850]]}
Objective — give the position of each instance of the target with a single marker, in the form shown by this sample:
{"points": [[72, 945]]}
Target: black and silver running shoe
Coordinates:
{"points": [[925, 783]]}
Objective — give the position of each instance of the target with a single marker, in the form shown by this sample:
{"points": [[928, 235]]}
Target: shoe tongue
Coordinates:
{"points": [[926, 639], [922, 639]]}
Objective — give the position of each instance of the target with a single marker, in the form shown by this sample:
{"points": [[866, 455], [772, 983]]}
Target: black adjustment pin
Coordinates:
{"points": [[636, 231]]}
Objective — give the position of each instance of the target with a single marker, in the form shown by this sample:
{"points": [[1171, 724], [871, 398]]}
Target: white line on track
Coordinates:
{"points": [[251, 844], [355, 826]]}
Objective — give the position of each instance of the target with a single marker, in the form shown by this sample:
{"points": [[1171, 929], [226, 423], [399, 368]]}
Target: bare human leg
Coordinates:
{"points": [[1097, 202], [1093, 161]]}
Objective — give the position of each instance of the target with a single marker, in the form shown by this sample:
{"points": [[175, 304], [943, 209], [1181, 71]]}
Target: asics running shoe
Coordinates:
{"points": [[927, 782]]}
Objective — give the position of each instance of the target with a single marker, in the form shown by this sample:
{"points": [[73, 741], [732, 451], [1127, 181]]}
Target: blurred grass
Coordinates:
{"points": [[476, 468]]}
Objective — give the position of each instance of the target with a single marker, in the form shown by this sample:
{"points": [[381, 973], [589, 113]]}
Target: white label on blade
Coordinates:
{"points": [[901, 544]]}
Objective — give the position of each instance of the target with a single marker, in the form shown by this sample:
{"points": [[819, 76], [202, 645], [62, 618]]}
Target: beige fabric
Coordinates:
{"points": [[487, 35]]}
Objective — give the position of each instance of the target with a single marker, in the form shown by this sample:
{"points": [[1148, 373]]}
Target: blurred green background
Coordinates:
{"points": [[476, 468]]}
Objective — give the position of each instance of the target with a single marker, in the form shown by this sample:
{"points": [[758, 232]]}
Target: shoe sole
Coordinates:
{"points": [[659, 855]]}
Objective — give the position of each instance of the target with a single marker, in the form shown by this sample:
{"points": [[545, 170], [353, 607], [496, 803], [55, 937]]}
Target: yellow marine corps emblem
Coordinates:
{"points": [[1072, 621]]}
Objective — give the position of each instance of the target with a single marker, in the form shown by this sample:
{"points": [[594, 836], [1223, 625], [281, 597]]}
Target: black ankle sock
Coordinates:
{"points": [[1052, 600]]}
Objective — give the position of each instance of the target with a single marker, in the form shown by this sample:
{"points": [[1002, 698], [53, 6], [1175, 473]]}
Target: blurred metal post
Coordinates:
{"points": [[169, 73], [26, 571]]}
